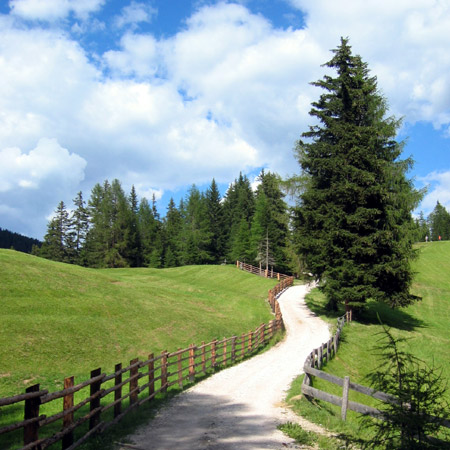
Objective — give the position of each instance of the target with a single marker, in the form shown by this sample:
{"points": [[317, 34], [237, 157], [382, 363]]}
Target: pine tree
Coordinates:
{"points": [[196, 234], [270, 221], [439, 221], [134, 251], [56, 239], [353, 221], [215, 223], [173, 227], [239, 205], [79, 221]]}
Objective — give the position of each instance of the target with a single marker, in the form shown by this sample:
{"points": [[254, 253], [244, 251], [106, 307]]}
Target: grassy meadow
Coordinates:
{"points": [[60, 320], [425, 324]]}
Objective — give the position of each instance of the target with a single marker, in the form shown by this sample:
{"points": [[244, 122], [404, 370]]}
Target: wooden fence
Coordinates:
{"points": [[104, 399], [267, 273], [312, 366]]}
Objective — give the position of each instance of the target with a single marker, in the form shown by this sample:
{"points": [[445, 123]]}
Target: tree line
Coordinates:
{"points": [[351, 228], [10, 239], [113, 229], [435, 227]]}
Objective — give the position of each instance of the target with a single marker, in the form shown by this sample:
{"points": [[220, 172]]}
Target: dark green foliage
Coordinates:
{"points": [[118, 230], [216, 222], [353, 224], [173, 228], [196, 233], [439, 223], [9, 239], [57, 241], [239, 205], [420, 390], [269, 229]]}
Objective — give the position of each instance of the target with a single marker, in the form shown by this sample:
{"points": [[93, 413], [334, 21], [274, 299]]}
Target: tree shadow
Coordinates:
{"points": [[393, 318], [204, 421]]}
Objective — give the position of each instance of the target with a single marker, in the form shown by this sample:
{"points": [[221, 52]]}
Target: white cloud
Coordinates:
{"points": [[47, 161], [134, 14], [138, 56], [438, 190], [52, 10], [227, 93]]}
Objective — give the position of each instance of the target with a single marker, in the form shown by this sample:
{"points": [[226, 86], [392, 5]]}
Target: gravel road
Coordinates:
{"points": [[240, 407]]}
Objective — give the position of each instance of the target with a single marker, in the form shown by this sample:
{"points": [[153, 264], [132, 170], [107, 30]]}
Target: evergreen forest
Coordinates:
{"points": [[116, 229]]}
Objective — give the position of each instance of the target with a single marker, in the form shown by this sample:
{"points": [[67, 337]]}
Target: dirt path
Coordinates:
{"points": [[240, 407]]}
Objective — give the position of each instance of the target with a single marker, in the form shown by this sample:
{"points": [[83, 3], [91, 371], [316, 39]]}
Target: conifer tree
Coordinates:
{"points": [[215, 223], [173, 227], [196, 234], [439, 221], [353, 221], [239, 206], [56, 239], [79, 221], [134, 251]]}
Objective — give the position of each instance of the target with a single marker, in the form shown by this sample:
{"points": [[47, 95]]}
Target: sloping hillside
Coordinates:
{"points": [[60, 320]]}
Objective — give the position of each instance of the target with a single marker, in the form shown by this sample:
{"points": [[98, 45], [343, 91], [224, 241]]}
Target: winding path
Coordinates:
{"points": [[240, 407]]}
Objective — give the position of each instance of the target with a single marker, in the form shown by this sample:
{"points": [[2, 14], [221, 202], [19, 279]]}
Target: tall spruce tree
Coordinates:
{"points": [[439, 221], [215, 223], [79, 220], [353, 220], [57, 238]]}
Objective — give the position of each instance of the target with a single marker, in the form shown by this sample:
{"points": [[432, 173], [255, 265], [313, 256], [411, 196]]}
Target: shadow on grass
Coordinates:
{"points": [[394, 318], [144, 414]]}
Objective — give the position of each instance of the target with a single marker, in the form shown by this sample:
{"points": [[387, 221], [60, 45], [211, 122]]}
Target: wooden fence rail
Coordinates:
{"points": [[267, 273], [111, 396], [315, 361]]}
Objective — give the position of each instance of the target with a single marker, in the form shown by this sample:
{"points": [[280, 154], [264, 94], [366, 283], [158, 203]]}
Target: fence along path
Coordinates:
{"points": [[112, 396], [314, 363], [267, 273]]}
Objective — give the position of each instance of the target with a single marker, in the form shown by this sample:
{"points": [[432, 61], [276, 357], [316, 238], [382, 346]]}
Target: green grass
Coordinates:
{"points": [[425, 324], [60, 320]]}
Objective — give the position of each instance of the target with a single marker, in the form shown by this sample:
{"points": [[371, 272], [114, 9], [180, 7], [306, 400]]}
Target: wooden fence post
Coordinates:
{"points": [[180, 370], [31, 431], [67, 439], [233, 349], [213, 353], [242, 345], [250, 341], [224, 352], [191, 362], [345, 390], [151, 375], [134, 381], [95, 403], [203, 357], [320, 357], [164, 371], [118, 391]]}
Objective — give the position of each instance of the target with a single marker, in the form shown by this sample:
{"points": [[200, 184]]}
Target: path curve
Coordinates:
{"points": [[240, 407]]}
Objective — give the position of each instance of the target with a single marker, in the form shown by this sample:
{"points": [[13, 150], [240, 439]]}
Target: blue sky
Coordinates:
{"points": [[164, 94]]}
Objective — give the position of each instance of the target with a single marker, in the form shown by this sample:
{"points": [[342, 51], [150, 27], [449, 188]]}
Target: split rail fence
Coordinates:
{"points": [[267, 273], [314, 363], [110, 397]]}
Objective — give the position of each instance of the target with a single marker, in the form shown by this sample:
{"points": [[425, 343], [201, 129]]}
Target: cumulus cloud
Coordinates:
{"points": [[228, 92], [438, 190], [52, 10], [135, 13], [47, 161]]}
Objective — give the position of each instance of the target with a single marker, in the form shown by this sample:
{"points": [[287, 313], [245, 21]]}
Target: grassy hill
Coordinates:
{"points": [[60, 320], [425, 324]]}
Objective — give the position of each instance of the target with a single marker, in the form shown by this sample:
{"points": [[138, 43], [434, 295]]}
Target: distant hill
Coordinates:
{"points": [[9, 239]]}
